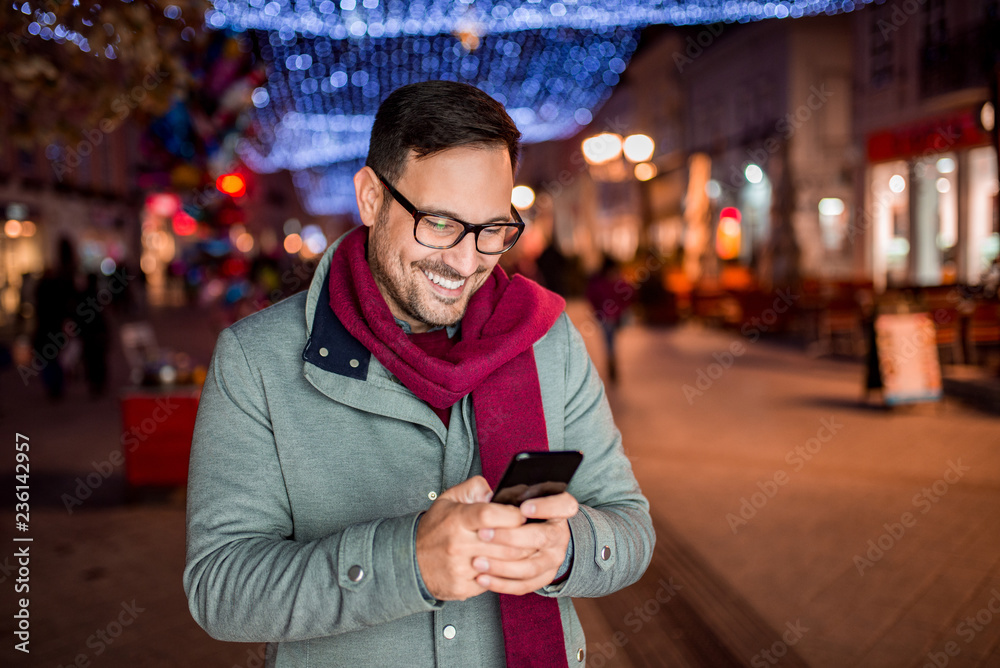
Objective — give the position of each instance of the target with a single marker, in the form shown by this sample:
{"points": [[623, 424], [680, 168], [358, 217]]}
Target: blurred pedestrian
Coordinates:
{"points": [[610, 296], [94, 334], [55, 300], [873, 371]]}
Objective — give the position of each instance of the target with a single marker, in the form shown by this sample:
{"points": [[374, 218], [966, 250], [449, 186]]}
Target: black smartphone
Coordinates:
{"points": [[533, 474]]}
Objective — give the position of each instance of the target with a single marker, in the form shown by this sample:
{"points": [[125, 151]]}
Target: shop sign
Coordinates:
{"points": [[948, 133], [908, 358]]}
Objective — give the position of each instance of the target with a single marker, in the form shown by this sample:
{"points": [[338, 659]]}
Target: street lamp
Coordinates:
{"points": [[638, 148], [522, 197], [602, 148]]}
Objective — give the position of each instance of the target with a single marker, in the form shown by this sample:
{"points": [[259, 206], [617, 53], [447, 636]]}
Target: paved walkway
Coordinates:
{"points": [[795, 528], [878, 531]]}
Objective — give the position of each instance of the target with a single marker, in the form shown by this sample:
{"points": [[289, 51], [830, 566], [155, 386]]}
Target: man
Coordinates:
{"points": [[335, 504]]}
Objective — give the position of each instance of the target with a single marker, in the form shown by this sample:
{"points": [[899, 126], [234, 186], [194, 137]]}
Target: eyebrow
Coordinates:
{"points": [[450, 214]]}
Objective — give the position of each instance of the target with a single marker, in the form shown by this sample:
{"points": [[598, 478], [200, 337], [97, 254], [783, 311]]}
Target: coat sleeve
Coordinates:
{"points": [[246, 578], [613, 535]]}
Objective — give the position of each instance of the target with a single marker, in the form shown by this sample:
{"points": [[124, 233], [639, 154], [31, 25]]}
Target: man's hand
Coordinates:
{"points": [[448, 539], [545, 544]]}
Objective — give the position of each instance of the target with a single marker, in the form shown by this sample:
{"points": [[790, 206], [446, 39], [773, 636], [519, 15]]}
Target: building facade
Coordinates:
{"points": [[925, 82], [769, 105]]}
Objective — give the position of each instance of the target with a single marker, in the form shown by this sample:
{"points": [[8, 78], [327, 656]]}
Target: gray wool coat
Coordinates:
{"points": [[309, 466]]}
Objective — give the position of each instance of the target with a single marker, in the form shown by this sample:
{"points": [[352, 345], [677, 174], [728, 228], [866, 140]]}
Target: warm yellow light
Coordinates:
{"points": [[522, 197], [638, 148], [27, 228], [12, 228], [602, 148], [244, 242], [148, 263], [727, 239], [293, 243], [644, 171]]}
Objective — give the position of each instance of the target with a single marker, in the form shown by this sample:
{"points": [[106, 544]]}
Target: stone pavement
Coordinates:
{"points": [[878, 531], [794, 526]]}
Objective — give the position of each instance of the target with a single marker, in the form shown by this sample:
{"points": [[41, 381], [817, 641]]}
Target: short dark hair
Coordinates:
{"points": [[432, 116]]}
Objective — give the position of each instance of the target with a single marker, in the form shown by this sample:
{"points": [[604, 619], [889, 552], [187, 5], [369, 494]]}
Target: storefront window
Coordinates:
{"points": [[933, 215], [935, 218], [984, 235], [890, 222]]}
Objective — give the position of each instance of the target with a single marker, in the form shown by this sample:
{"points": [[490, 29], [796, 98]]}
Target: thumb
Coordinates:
{"points": [[473, 490]]}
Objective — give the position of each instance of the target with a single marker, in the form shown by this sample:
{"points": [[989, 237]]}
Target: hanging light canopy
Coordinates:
{"points": [[320, 99], [393, 18], [550, 63]]}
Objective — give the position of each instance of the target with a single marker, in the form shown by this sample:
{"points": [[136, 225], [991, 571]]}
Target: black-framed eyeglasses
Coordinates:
{"points": [[434, 230]]}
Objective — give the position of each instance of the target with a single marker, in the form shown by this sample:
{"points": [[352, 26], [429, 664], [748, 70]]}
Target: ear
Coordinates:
{"points": [[369, 192]]}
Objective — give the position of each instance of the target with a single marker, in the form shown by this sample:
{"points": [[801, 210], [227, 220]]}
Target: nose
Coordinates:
{"points": [[463, 258]]}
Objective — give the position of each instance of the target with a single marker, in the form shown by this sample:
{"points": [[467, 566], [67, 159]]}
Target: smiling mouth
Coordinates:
{"points": [[444, 282]]}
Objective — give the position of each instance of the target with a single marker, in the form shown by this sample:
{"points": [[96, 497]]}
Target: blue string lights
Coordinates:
{"points": [[550, 63], [393, 18]]}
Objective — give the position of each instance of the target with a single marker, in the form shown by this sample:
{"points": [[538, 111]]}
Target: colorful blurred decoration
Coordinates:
{"points": [[727, 237], [233, 185], [194, 140], [163, 205], [82, 66], [184, 225]]}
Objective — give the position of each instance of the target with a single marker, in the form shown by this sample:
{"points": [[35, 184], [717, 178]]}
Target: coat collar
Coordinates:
{"points": [[330, 346], [346, 360]]}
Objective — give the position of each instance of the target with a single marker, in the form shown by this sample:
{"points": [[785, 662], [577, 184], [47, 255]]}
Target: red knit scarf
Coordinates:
{"points": [[495, 362]]}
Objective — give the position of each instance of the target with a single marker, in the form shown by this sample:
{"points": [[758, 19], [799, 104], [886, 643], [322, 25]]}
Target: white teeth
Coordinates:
{"points": [[444, 282]]}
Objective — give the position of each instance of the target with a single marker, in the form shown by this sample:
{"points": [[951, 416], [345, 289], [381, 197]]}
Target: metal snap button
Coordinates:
{"points": [[323, 352], [579, 654], [449, 632], [355, 573], [354, 364], [432, 495], [605, 553]]}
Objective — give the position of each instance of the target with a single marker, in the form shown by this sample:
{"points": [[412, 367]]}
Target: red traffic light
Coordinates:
{"points": [[232, 184]]}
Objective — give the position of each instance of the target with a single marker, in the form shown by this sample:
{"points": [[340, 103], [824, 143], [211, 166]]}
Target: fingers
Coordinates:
{"points": [[473, 490], [487, 517], [521, 569], [515, 586], [540, 536], [556, 507]]}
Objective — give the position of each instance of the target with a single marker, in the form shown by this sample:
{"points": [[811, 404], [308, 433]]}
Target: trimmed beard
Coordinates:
{"points": [[392, 276]]}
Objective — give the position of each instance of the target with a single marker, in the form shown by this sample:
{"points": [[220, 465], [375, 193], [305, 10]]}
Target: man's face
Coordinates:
{"points": [[429, 287]]}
